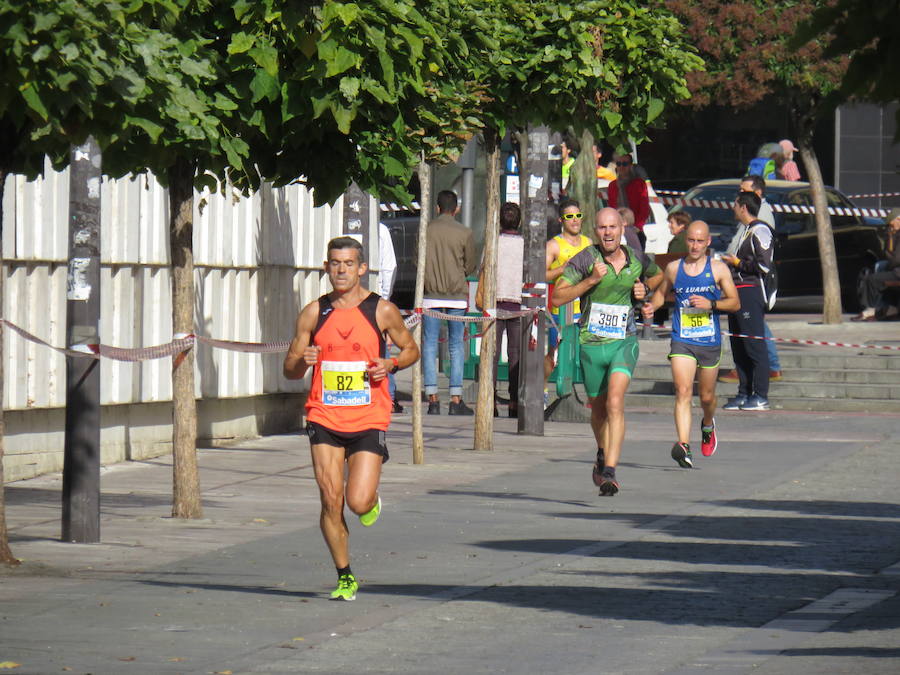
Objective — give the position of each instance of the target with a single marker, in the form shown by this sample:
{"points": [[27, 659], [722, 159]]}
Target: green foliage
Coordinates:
{"points": [[325, 92], [364, 91], [56, 61], [867, 33], [748, 48], [611, 67]]}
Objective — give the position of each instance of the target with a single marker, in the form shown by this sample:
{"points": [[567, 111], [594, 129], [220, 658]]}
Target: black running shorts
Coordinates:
{"points": [[369, 440]]}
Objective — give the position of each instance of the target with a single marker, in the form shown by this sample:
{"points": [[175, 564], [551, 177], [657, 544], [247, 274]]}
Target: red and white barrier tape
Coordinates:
{"points": [[875, 195], [246, 347], [821, 343], [182, 344], [871, 195], [394, 207], [778, 208]]}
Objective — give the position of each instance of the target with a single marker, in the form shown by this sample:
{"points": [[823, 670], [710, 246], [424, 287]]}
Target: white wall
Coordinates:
{"points": [[258, 260]]}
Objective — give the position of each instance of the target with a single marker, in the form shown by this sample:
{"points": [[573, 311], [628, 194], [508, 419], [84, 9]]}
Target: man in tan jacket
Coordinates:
{"points": [[449, 259]]}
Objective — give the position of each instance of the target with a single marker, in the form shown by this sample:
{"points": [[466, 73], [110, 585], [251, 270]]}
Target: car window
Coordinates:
{"points": [[721, 221], [838, 200], [795, 223]]}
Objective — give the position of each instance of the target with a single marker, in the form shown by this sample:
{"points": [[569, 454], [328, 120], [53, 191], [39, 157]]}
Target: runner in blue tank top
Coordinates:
{"points": [[703, 288]]}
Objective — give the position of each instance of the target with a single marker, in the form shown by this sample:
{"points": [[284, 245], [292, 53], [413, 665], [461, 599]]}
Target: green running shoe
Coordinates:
{"points": [[346, 588], [681, 453], [370, 517]]}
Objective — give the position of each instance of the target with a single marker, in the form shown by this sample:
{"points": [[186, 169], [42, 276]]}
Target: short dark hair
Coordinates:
{"points": [[447, 201], [751, 200], [682, 218], [339, 243], [568, 203], [756, 182], [510, 216]]}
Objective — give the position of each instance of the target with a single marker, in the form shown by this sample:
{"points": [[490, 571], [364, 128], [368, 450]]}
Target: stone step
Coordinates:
{"points": [[662, 372], [572, 410], [797, 357], [817, 390], [778, 402]]}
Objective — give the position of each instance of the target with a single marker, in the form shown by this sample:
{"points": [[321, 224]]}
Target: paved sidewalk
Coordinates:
{"points": [[779, 555]]}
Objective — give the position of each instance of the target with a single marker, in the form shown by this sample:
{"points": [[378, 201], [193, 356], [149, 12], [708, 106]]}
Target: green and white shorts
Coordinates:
{"points": [[599, 361]]}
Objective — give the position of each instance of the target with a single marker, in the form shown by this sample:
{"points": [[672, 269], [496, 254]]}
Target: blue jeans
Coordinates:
{"points": [[431, 330], [774, 363]]}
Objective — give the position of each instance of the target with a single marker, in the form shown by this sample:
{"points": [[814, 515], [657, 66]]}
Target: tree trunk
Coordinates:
{"points": [[484, 408], [6, 556], [424, 215], [831, 285], [583, 183], [186, 501]]}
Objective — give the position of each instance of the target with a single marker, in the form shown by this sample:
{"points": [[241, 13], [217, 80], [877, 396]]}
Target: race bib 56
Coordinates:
{"points": [[696, 323]]}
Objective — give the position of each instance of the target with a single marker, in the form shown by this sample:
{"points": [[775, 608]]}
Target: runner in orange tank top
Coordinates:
{"points": [[341, 337]]}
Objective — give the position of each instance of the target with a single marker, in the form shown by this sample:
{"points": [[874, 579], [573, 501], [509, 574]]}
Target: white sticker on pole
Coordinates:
{"points": [[534, 184], [77, 286]]}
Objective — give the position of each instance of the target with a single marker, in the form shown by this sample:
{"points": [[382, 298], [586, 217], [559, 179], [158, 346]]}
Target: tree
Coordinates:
{"points": [[749, 52], [65, 66], [611, 68], [866, 32]]}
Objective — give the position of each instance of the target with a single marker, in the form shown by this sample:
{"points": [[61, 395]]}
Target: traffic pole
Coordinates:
{"points": [[534, 186], [81, 464]]}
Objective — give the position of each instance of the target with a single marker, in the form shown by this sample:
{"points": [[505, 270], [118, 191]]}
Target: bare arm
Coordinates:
{"points": [[388, 317], [301, 354], [564, 291], [730, 301], [658, 298], [553, 251]]}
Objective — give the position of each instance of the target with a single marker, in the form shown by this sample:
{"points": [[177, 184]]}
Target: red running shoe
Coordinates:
{"points": [[709, 443]]}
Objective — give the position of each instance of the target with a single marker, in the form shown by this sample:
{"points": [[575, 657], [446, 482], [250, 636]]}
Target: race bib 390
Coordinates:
{"points": [[609, 321]]}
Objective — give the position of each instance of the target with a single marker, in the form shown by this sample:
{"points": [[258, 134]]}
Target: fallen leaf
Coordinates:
{"points": [[223, 672], [9, 665], [260, 520], [299, 639], [175, 659], [127, 658]]}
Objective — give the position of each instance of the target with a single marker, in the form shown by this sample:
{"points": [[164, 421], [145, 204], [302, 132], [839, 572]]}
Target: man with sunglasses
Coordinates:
{"points": [[559, 250], [630, 190], [609, 278]]}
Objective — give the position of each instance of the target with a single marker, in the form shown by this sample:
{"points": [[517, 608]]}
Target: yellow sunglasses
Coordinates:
{"points": [[571, 216]]}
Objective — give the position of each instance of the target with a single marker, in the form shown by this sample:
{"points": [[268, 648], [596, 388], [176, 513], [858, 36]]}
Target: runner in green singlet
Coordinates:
{"points": [[609, 279]]}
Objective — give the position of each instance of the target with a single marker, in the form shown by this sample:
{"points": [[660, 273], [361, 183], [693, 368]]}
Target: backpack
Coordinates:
{"points": [[761, 166], [770, 281], [770, 286]]}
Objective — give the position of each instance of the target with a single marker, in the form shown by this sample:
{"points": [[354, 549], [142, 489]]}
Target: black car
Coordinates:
{"points": [[856, 239]]}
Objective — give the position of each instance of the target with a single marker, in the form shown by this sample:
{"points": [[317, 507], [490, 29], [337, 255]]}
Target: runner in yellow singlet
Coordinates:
{"points": [[560, 249]]}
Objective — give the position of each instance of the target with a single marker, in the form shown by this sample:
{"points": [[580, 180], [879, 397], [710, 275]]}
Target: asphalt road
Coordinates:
{"points": [[773, 556]]}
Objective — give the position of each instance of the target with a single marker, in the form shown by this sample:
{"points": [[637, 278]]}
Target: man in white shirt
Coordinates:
{"points": [[387, 268]]}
